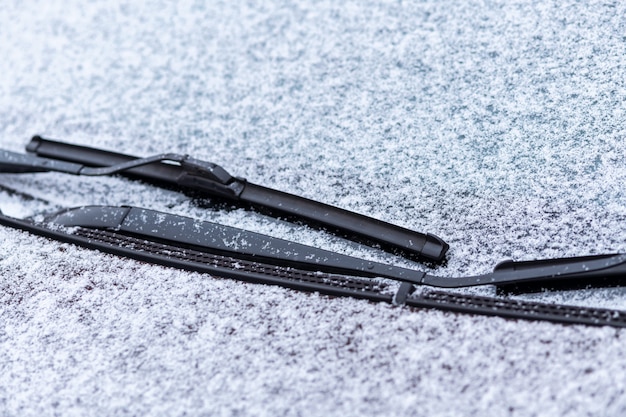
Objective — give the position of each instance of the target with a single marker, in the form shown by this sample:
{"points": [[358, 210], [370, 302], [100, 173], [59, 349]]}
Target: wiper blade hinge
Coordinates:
{"points": [[211, 178]]}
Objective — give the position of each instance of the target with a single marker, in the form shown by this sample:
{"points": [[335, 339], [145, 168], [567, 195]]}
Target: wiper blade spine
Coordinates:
{"points": [[214, 180], [169, 253]]}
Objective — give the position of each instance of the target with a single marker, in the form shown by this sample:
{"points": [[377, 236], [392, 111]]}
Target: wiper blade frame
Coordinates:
{"points": [[212, 179], [238, 243], [134, 233]]}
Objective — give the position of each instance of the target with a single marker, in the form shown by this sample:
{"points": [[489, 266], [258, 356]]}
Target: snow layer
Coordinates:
{"points": [[498, 126]]}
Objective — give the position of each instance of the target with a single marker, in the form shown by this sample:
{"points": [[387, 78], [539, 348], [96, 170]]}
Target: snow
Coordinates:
{"points": [[497, 126]]}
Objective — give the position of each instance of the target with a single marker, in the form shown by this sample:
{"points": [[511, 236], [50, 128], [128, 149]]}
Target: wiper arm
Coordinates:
{"points": [[229, 252], [220, 180], [213, 180], [243, 244]]}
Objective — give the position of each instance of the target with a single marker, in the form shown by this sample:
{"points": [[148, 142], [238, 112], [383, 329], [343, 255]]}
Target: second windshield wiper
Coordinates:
{"points": [[213, 180], [185, 232]]}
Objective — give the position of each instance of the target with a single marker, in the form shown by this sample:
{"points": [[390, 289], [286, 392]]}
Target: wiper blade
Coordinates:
{"points": [[506, 275], [243, 244], [213, 180], [185, 243]]}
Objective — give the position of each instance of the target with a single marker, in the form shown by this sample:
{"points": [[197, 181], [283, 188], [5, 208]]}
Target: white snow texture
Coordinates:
{"points": [[496, 125]]}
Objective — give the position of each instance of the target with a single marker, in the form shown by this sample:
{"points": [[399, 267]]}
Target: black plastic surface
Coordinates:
{"points": [[352, 225], [187, 232], [112, 241], [231, 241]]}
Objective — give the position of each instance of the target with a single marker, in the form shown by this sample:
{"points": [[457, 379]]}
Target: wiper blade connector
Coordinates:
{"points": [[213, 180]]}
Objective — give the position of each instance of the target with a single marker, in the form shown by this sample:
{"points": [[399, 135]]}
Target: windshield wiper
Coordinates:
{"points": [[185, 243], [229, 252], [211, 179], [510, 276], [247, 245]]}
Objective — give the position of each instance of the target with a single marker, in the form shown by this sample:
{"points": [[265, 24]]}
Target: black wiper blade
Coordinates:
{"points": [[213, 180], [229, 252], [187, 231], [185, 243], [247, 245]]}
